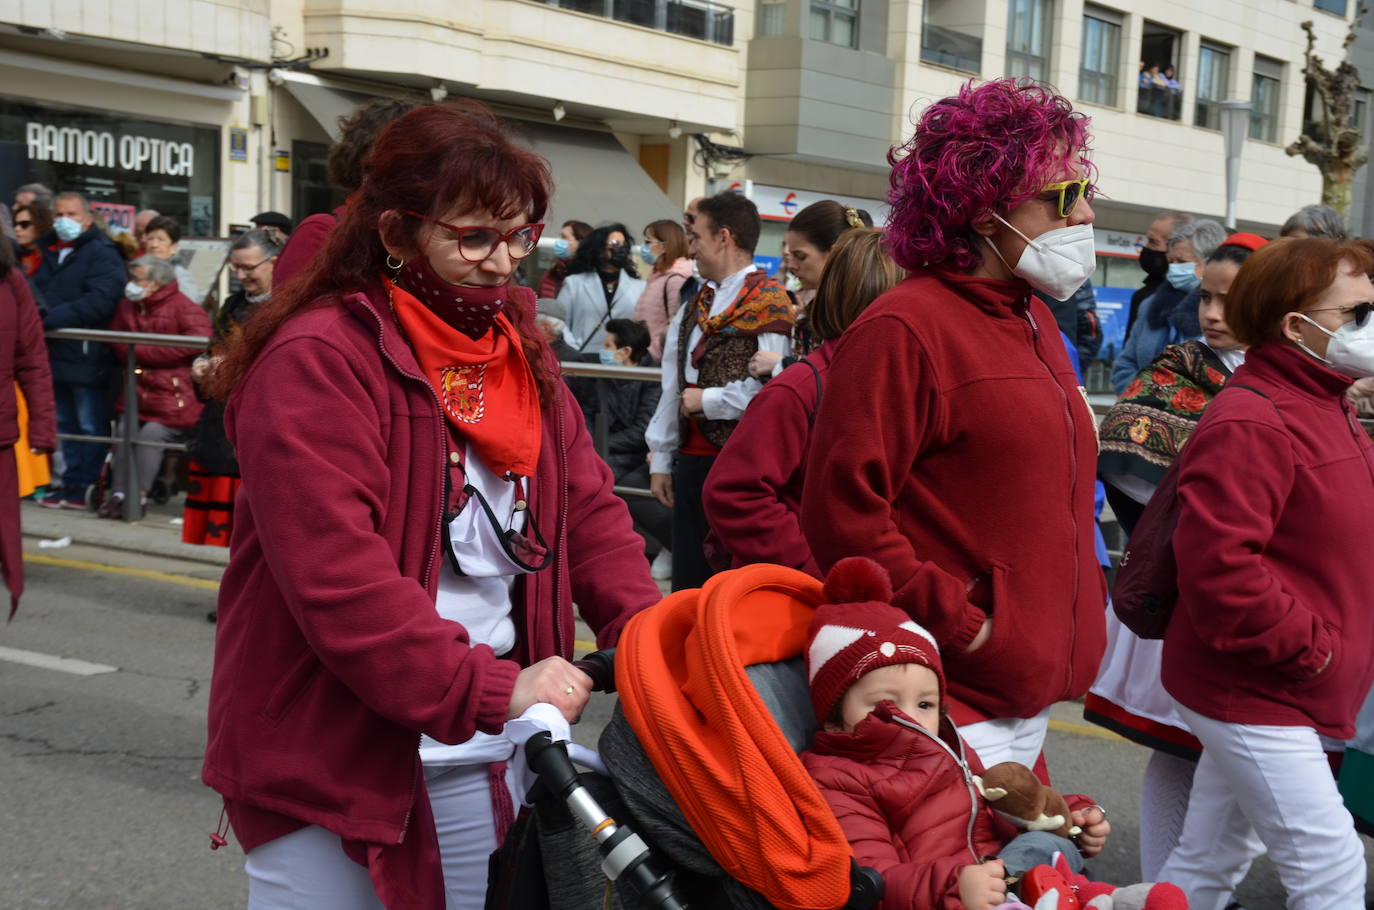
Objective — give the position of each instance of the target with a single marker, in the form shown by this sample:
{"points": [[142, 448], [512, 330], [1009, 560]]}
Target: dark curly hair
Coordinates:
{"points": [[987, 149], [357, 132], [588, 255]]}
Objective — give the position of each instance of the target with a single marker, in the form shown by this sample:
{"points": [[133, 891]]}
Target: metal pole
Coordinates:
{"points": [[125, 464]]}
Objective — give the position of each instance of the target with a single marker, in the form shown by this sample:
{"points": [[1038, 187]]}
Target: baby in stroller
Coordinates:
{"points": [[903, 784]]}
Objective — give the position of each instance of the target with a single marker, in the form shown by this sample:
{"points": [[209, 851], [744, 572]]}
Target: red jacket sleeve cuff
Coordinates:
{"points": [[1314, 661], [966, 631], [498, 682]]}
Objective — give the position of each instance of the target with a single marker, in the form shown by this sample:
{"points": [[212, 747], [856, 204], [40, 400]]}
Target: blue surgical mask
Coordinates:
{"points": [[646, 252], [1184, 276], [68, 229], [607, 356], [560, 248]]}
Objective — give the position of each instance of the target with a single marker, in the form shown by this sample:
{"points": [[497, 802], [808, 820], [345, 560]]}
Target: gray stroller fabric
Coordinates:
{"points": [[572, 863], [782, 686]]}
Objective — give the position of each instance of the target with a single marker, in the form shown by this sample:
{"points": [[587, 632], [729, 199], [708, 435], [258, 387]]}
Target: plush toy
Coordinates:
{"points": [[1057, 887], [1016, 794]]}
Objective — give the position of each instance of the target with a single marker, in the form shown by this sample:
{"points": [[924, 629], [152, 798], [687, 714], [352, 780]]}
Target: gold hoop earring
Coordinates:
{"points": [[394, 266]]}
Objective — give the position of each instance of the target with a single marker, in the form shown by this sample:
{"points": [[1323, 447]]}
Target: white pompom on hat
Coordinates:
{"points": [[857, 631]]}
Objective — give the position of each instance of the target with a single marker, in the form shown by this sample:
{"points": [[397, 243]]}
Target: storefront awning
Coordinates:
{"points": [[324, 102], [596, 180]]}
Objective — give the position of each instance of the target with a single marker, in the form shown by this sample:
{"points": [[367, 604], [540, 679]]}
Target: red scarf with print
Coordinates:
{"points": [[485, 387]]}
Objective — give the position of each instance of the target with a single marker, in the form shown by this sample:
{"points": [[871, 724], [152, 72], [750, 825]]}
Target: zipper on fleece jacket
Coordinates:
{"points": [[963, 766], [1073, 489], [434, 549]]}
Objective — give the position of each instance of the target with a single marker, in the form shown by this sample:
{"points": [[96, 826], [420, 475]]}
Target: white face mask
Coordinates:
{"points": [[1350, 350], [135, 291], [1057, 262]]}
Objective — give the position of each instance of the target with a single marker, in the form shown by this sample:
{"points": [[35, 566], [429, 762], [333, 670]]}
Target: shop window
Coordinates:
{"points": [[952, 34], [1159, 93], [1028, 39], [1101, 56], [1331, 6], [835, 22], [1213, 84], [311, 191], [1264, 99]]}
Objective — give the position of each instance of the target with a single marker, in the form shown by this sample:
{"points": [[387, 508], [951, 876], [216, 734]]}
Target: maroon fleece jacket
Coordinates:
{"points": [[753, 494], [1274, 541], [330, 659], [954, 446]]}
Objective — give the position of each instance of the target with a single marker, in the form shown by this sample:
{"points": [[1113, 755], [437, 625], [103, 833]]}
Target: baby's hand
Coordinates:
{"points": [[1093, 821], [984, 886]]}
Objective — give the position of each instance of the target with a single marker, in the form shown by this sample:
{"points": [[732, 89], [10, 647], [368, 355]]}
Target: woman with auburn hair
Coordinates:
{"points": [[756, 481], [404, 564], [665, 249], [953, 443], [1271, 645]]}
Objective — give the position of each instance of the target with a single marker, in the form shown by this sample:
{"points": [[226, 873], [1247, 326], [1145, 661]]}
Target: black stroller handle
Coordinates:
{"points": [[600, 666], [625, 855]]}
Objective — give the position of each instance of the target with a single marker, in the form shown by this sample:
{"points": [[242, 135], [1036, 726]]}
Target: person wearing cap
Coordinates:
{"points": [[277, 226], [1141, 436], [892, 766]]}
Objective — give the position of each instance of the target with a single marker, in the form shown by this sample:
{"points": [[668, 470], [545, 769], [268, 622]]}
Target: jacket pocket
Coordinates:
{"points": [[291, 686], [1329, 671]]}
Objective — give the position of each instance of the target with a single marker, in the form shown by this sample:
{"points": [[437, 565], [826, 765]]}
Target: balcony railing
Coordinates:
{"points": [[701, 19]]}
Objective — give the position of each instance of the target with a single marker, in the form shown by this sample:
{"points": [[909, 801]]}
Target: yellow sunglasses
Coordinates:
{"points": [[1070, 192]]}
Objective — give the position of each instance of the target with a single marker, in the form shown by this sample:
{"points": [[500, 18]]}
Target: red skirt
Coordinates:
{"points": [[209, 514]]}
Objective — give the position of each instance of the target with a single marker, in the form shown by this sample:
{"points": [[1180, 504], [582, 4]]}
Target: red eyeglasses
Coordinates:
{"points": [[476, 242]]}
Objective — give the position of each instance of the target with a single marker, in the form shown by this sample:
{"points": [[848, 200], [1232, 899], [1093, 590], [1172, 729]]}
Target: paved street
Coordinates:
{"points": [[100, 782]]}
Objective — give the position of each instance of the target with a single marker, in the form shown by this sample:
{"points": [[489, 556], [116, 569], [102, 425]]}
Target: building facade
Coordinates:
{"points": [[213, 110]]}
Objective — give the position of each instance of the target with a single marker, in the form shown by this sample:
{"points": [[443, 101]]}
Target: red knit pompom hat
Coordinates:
{"points": [[858, 630]]}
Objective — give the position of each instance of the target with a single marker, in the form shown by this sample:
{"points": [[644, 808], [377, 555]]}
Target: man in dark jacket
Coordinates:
{"points": [[81, 281], [1077, 318]]}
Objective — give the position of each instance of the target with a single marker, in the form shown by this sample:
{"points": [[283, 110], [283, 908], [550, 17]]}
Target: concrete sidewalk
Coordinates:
{"points": [[157, 534]]}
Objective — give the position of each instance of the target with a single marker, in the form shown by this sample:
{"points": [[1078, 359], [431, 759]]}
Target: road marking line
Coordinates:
{"points": [[584, 647], [53, 662], [1091, 730], [204, 584]]}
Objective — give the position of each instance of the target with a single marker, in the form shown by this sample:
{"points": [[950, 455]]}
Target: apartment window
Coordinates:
{"points": [[1359, 117], [1028, 39], [772, 18], [952, 34], [1331, 6], [1097, 71], [1213, 84], [1264, 99], [1159, 93], [835, 21], [702, 19]]}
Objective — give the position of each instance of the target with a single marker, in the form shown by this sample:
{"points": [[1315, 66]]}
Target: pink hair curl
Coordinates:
{"points": [[987, 149]]}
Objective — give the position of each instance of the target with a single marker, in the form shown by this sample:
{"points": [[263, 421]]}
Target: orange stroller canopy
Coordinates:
{"points": [[683, 688]]}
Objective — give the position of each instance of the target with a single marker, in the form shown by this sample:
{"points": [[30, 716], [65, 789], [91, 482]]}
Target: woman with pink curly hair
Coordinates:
{"points": [[953, 443]]}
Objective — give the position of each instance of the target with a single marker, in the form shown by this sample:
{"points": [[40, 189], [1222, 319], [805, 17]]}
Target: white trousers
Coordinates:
{"points": [[307, 870], [460, 796], [1266, 787], [1017, 739]]}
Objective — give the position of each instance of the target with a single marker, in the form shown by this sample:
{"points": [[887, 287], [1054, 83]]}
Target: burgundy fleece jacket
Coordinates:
{"points": [[753, 494], [330, 659], [954, 446], [1274, 542]]}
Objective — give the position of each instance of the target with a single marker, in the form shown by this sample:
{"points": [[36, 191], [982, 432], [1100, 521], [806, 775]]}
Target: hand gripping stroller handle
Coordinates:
{"points": [[624, 853], [600, 666]]}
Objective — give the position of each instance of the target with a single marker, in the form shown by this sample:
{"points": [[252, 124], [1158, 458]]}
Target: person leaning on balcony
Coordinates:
{"points": [[344, 167], [1271, 645], [421, 508], [23, 368], [953, 443], [167, 404], [79, 284]]}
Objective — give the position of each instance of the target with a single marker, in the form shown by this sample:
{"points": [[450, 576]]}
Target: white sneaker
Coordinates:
{"points": [[662, 567]]}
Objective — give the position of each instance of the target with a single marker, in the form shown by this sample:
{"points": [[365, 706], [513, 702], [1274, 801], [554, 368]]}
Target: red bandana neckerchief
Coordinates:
{"points": [[485, 387], [762, 305]]}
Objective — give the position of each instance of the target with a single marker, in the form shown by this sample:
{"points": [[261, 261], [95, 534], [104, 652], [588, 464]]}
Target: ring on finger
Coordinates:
{"points": [[567, 690]]}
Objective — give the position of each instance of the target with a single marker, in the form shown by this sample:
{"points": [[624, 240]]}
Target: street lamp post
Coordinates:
{"points": [[1235, 125]]}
